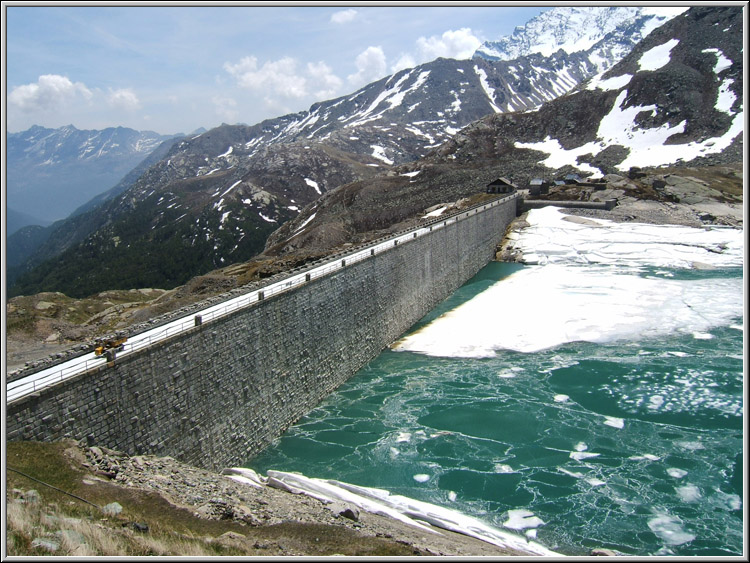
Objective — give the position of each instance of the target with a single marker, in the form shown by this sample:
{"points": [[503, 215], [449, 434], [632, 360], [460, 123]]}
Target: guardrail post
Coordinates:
{"points": [[198, 320], [260, 296], [307, 276], [343, 263]]}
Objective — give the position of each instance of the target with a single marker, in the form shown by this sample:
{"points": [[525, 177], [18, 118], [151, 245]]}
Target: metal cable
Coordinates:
{"points": [[55, 488]]}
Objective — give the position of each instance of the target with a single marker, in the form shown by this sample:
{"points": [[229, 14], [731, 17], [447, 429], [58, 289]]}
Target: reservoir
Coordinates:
{"points": [[591, 400]]}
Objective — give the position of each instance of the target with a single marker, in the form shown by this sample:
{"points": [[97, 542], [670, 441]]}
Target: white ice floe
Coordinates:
{"points": [[676, 472], [688, 492], [503, 468], [588, 286], [669, 529], [580, 456], [520, 519], [649, 457], [614, 422]]}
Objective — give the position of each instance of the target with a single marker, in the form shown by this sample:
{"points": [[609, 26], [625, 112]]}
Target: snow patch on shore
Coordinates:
{"points": [[422, 515]]}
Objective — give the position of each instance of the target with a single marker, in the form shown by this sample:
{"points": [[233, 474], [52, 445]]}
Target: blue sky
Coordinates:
{"points": [[176, 68]]}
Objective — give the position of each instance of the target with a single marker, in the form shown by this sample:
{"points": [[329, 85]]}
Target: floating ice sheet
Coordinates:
{"points": [[589, 287]]}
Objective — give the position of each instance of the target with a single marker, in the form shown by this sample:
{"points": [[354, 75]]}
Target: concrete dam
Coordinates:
{"points": [[216, 388]]}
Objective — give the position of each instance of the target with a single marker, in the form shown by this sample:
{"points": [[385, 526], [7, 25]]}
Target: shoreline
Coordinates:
{"points": [[221, 496]]}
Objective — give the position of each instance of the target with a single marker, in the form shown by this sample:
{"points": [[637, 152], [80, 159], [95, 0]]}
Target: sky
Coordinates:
{"points": [[176, 68]]}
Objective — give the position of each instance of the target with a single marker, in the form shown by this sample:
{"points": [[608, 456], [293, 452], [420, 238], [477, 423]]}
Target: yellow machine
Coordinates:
{"points": [[107, 347]]}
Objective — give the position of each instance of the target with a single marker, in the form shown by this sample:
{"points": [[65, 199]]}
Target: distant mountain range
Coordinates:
{"points": [[214, 198], [66, 167]]}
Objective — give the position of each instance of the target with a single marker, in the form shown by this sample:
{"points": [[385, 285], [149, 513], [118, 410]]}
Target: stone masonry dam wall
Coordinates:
{"points": [[219, 393]]}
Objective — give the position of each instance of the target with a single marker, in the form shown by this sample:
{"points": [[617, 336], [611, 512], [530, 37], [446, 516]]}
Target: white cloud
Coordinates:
{"points": [[459, 44], [370, 66], [274, 77], [323, 82], [49, 92], [453, 44], [226, 108], [405, 61], [124, 98], [285, 80], [344, 16]]}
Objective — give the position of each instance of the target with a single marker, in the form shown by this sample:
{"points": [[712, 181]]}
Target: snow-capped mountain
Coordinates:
{"points": [[675, 99], [66, 167], [606, 34]]}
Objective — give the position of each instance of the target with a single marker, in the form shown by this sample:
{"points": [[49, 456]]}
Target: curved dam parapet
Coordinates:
{"points": [[607, 205], [223, 384]]}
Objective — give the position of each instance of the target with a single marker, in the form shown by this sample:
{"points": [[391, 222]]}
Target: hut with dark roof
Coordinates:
{"points": [[501, 186]]}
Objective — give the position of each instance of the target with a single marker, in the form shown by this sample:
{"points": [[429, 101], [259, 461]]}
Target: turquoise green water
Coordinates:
{"points": [[635, 446]]}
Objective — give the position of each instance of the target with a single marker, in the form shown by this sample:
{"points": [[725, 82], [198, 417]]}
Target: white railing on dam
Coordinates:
{"points": [[47, 377]]}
